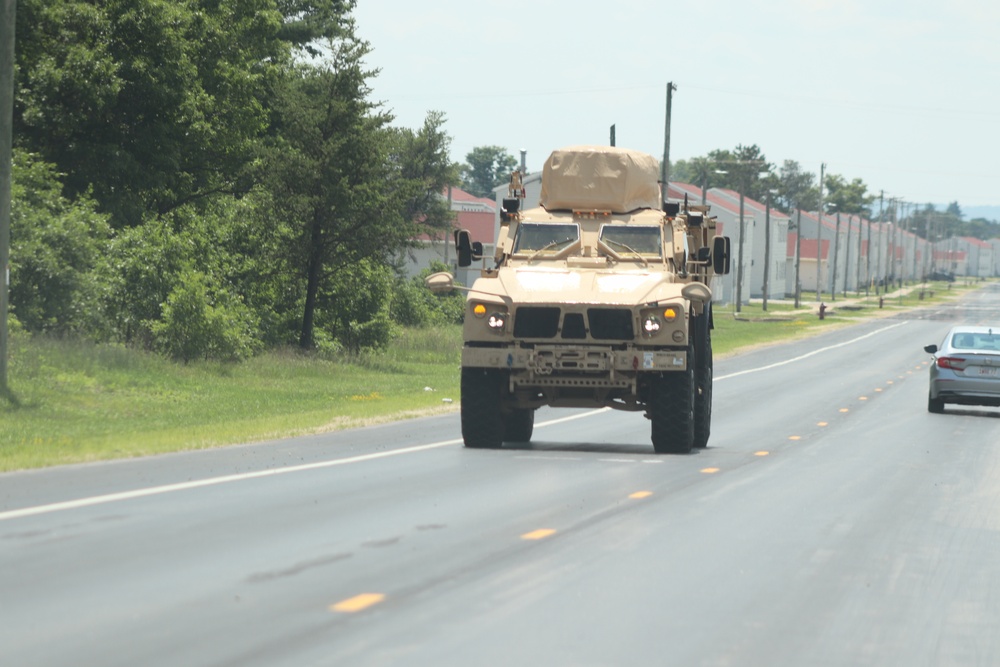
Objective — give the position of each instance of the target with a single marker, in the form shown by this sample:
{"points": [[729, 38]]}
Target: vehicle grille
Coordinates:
{"points": [[536, 322], [543, 322], [610, 323]]}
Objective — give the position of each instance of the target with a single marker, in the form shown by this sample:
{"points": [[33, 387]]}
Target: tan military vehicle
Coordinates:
{"points": [[597, 298]]}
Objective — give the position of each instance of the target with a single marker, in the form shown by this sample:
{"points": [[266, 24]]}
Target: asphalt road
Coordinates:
{"points": [[831, 521]]}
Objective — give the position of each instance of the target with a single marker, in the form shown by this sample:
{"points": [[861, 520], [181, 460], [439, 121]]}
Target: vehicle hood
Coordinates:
{"points": [[553, 285]]}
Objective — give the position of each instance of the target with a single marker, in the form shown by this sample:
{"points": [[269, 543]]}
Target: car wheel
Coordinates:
{"points": [[671, 410], [519, 425], [482, 426], [935, 405], [703, 382]]}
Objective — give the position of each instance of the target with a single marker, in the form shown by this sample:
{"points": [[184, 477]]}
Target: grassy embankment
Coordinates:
{"points": [[77, 402]]}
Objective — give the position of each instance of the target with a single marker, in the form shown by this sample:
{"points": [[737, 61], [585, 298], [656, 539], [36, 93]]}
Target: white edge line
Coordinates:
{"points": [[211, 481], [809, 354], [273, 472]]}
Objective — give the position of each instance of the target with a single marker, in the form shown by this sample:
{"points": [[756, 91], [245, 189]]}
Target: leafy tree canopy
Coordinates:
{"points": [[149, 104], [797, 188], [742, 170], [485, 168], [850, 198]]}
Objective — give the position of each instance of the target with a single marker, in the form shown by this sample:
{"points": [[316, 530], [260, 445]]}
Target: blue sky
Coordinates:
{"points": [[902, 94]]}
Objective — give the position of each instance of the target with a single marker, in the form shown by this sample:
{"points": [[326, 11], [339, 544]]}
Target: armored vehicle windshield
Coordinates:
{"points": [[535, 237], [642, 240]]}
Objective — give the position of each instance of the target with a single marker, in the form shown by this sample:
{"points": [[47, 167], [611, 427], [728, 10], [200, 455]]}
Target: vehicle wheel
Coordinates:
{"points": [[518, 425], [935, 405], [671, 409], [482, 426], [703, 382]]}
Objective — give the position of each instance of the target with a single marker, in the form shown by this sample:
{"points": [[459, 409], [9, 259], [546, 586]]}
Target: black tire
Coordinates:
{"points": [[671, 409], [482, 425], [935, 405], [702, 381], [519, 425]]}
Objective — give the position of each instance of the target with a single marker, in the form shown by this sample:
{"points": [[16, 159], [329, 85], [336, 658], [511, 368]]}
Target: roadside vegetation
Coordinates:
{"points": [[77, 401], [210, 226]]}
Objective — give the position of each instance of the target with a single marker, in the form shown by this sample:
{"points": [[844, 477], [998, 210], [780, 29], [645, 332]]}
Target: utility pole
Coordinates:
{"points": [[878, 251], [798, 254], [739, 268], [847, 257], [767, 245], [6, 152], [890, 243], [836, 258], [819, 235], [868, 259], [665, 165], [857, 274]]}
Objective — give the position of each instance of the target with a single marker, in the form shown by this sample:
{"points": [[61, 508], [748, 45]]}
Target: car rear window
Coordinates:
{"points": [[975, 341]]}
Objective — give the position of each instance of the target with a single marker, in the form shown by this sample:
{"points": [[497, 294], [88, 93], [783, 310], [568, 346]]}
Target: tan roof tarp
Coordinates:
{"points": [[600, 177]]}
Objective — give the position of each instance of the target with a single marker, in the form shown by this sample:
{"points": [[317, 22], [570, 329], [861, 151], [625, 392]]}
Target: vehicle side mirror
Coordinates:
{"points": [[440, 283], [930, 348], [467, 249], [720, 255], [704, 254]]}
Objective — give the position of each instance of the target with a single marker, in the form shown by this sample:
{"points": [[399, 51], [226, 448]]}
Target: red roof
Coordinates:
{"points": [[460, 195], [479, 223], [976, 242]]}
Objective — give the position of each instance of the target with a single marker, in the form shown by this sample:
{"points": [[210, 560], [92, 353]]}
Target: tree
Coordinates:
{"points": [[485, 168], [738, 170], [150, 104], [954, 209], [700, 171], [425, 170], [797, 188], [55, 245], [332, 178], [309, 21], [849, 198]]}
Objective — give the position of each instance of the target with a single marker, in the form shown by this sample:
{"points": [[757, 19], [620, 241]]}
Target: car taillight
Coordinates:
{"points": [[954, 363]]}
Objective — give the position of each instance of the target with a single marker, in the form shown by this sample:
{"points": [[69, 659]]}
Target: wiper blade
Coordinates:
{"points": [[550, 246], [629, 249]]}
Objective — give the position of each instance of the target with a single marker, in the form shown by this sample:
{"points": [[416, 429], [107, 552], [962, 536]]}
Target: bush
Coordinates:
{"points": [[141, 269], [414, 305], [55, 245], [195, 323]]}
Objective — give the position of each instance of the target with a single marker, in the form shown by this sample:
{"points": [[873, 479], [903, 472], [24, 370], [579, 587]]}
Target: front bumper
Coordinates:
{"points": [[547, 360]]}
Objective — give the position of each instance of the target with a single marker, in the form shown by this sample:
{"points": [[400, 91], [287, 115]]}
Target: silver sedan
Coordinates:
{"points": [[966, 368]]}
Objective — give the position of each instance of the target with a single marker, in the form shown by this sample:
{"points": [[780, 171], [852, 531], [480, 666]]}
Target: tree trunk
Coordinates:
{"points": [[314, 270]]}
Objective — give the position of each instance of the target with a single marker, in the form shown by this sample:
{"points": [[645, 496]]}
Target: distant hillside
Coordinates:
{"points": [[988, 212]]}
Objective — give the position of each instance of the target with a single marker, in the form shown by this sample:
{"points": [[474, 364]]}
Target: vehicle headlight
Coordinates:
{"points": [[651, 325], [497, 321]]}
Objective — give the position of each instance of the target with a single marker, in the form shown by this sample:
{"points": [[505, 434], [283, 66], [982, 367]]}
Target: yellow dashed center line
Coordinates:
{"points": [[862, 398], [889, 382], [845, 409], [821, 423], [539, 534], [710, 471], [761, 453], [357, 603], [641, 494], [795, 437], [877, 389]]}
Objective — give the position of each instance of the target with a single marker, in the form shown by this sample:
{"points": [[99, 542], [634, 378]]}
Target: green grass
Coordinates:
{"points": [[75, 402], [79, 402]]}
